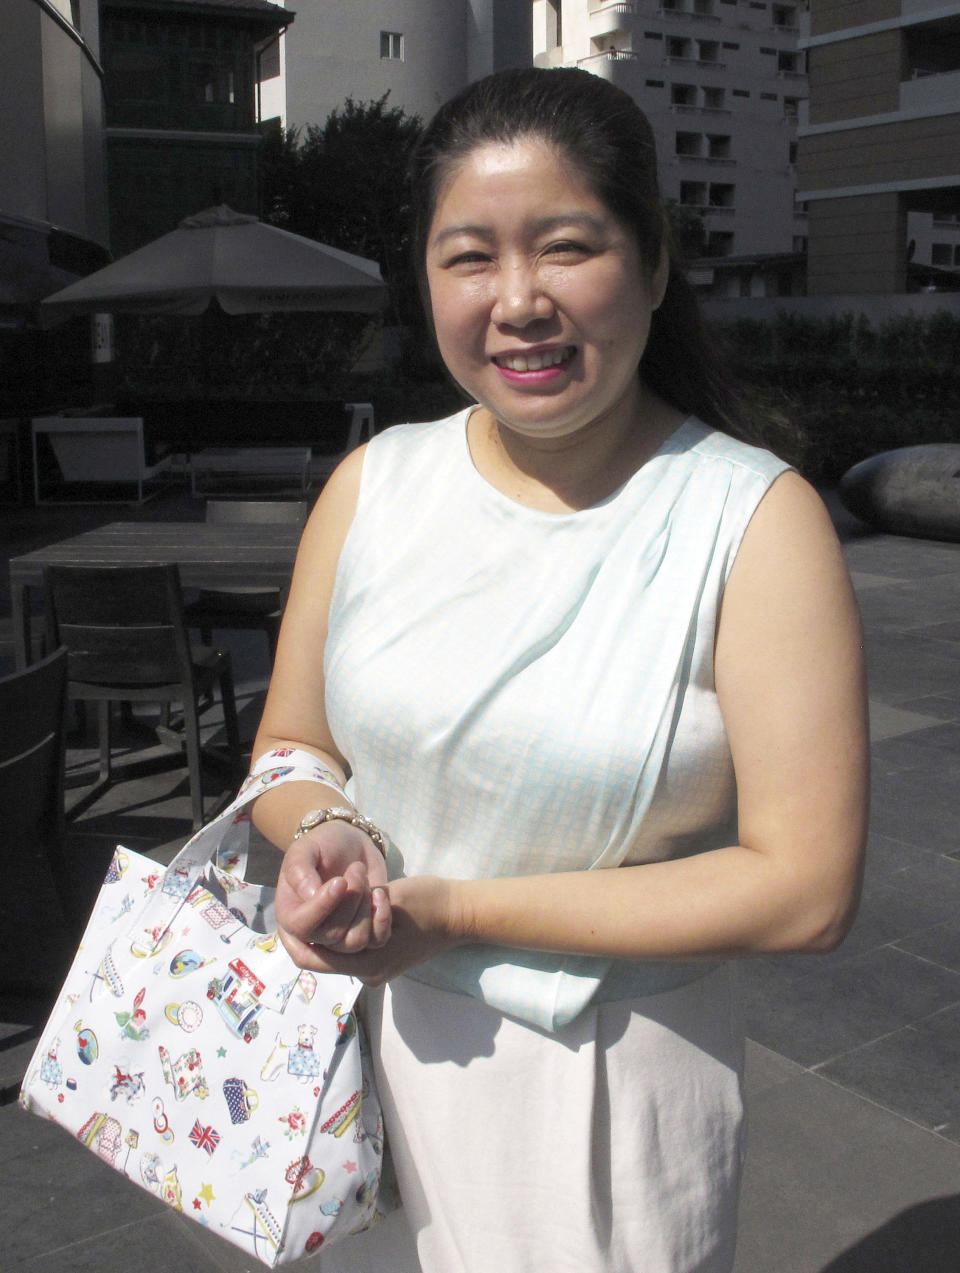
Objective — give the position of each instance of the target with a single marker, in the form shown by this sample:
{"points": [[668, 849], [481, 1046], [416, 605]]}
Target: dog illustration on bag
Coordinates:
{"points": [[299, 1059]]}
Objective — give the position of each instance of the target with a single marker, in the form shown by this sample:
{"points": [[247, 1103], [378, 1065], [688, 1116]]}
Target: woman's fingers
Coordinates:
{"points": [[381, 916]]}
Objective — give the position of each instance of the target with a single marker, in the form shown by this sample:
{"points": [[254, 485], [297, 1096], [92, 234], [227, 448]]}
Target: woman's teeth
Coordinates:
{"points": [[533, 362]]}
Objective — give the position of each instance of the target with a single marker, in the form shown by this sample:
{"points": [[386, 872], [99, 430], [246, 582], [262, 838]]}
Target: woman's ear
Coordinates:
{"points": [[660, 276]]}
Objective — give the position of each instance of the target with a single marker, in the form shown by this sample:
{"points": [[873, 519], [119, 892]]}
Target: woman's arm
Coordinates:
{"points": [[349, 875], [789, 677]]}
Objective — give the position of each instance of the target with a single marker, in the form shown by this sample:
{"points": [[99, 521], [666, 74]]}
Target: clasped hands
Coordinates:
{"points": [[336, 911]]}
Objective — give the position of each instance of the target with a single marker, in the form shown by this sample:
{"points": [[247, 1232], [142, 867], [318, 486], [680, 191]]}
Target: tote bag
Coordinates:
{"points": [[190, 1053]]}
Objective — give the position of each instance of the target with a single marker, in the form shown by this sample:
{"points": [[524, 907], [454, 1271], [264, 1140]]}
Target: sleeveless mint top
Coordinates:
{"points": [[519, 692]]}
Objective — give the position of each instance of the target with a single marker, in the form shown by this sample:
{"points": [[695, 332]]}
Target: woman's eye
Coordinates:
{"points": [[467, 258], [566, 247]]}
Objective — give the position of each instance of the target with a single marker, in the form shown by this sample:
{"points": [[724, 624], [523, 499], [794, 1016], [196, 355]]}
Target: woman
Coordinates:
{"points": [[578, 626]]}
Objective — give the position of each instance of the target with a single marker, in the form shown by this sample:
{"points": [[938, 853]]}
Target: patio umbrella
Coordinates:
{"points": [[245, 265]]}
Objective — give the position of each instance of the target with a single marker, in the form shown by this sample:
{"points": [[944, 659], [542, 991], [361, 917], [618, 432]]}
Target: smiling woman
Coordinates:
{"points": [[593, 666]]}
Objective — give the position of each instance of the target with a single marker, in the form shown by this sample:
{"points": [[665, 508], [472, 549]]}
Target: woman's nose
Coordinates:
{"points": [[520, 298]]}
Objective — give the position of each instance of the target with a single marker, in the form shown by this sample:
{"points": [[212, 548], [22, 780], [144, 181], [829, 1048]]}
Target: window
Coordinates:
{"points": [[653, 84], [768, 97], [941, 254], [721, 194], [688, 143], [693, 193], [719, 243], [784, 15], [213, 85], [709, 51], [683, 94], [391, 45], [713, 98], [677, 47], [718, 147], [791, 109], [554, 23], [727, 44], [741, 92], [653, 35], [792, 157], [270, 61], [69, 9], [790, 63]]}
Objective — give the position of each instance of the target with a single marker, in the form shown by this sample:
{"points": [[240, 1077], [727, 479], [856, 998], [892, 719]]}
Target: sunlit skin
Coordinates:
{"points": [[542, 308]]}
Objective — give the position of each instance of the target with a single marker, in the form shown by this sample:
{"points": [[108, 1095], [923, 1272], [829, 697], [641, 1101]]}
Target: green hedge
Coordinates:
{"points": [[829, 392]]}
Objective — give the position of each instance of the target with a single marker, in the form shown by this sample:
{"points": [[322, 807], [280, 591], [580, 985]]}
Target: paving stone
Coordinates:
{"points": [[56, 1192], [814, 1018], [939, 945], [832, 1177], [915, 1072]]}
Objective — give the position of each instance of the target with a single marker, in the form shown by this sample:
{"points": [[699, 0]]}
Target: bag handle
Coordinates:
{"points": [[229, 830]]}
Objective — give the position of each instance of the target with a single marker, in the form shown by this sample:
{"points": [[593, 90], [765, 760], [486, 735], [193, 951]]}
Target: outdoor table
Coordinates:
{"points": [[239, 468], [208, 556]]}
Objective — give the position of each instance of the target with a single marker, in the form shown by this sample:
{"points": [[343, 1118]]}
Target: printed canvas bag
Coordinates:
{"points": [[190, 1053]]}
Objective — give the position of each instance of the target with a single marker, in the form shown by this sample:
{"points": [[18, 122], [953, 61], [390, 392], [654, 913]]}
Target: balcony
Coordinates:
{"points": [[693, 61], [609, 18], [682, 108], [691, 15], [608, 55], [927, 91]]}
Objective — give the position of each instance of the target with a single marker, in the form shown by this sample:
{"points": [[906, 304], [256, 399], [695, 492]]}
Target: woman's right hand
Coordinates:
{"points": [[332, 892]]}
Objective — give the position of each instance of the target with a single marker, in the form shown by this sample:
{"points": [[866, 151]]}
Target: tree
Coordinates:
{"points": [[688, 229], [344, 183]]}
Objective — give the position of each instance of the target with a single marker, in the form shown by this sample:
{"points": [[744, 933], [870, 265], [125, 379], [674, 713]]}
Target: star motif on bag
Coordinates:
{"points": [[349, 1167]]}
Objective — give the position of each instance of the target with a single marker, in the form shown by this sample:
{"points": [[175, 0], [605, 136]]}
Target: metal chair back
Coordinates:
{"points": [[32, 900]]}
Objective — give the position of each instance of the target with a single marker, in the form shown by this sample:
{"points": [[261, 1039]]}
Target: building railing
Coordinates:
{"points": [[704, 159], [681, 108], [613, 6], [670, 60], [663, 12], [609, 55]]}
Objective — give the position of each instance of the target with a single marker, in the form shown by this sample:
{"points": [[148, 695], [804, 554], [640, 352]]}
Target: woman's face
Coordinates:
{"points": [[540, 300]]}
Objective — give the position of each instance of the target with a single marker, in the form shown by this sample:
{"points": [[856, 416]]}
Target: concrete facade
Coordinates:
{"points": [[879, 157], [723, 83], [51, 95], [421, 52]]}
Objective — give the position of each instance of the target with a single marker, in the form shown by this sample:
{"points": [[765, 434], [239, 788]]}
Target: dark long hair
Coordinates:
{"points": [[604, 133]]}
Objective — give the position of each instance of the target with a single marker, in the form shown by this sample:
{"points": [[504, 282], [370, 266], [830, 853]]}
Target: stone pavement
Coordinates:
{"points": [[854, 1156]]}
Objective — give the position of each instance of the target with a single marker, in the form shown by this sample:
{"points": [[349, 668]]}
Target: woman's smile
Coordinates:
{"points": [[535, 366]]}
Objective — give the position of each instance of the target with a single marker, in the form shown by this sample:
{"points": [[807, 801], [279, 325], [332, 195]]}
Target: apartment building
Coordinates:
{"points": [[421, 52], [879, 157], [723, 83]]}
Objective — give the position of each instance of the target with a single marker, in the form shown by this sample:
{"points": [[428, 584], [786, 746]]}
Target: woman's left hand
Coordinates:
{"points": [[422, 911]]}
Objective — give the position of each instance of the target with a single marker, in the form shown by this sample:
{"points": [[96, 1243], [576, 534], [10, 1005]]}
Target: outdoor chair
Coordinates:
{"points": [[33, 899], [256, 608], [127, 642]]}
